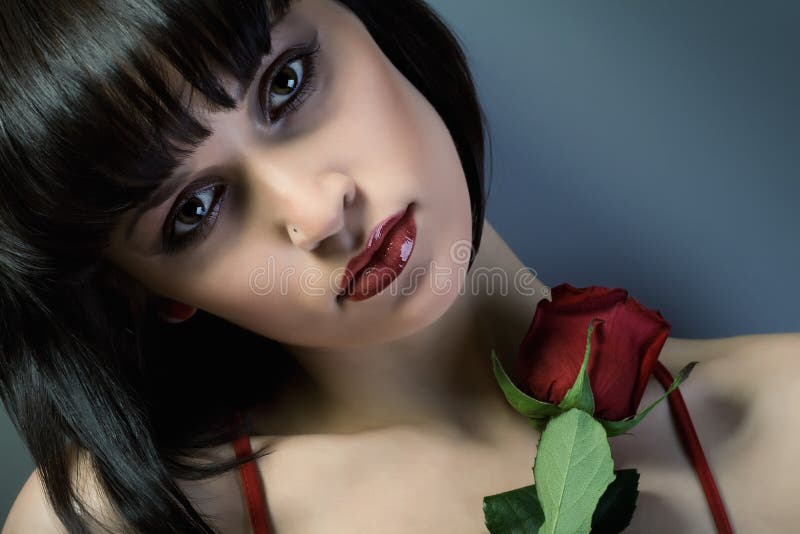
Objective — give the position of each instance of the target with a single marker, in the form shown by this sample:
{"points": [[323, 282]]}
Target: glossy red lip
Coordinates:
{"points": [[375, 240]]}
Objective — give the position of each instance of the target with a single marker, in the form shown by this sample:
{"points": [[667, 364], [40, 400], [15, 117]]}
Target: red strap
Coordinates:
{"points": [[693, 449], [251, 483]]}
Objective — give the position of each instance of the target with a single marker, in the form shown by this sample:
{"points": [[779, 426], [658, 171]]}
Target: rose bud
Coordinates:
{"points": [[625, 346]]}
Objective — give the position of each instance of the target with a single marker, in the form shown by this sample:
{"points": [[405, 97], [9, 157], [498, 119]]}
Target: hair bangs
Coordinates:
{"points": [[95, 107]]}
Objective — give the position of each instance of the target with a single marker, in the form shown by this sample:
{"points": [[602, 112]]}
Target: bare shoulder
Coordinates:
{"points": [[31, 512], [740, 398], [783, 346], [219, 498], [747, 365]]}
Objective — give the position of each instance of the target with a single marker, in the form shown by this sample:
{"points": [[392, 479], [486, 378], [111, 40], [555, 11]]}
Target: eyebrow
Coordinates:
{"points": [[170, 184]]}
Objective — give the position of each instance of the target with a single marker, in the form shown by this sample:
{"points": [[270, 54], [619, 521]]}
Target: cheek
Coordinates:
{"points": [[370, 116], [373, 116], [270, 296], [403, 150], [441, 184], [393, 132]]}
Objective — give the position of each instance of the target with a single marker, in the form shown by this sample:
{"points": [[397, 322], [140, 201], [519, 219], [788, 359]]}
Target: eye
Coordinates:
{"points": [[192, 216], [284, 91]]}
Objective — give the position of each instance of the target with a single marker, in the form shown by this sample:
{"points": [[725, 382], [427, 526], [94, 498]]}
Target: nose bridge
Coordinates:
{"points": [[307, 198]]}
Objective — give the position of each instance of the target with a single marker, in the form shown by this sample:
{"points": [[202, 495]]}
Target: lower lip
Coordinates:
{"points": [[388, 261]]}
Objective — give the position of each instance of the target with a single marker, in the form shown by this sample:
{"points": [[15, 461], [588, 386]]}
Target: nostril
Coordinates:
{"points": [[337, 243]]}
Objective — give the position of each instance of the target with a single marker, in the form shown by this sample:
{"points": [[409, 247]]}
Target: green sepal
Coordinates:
{"points": [[615, 509], [580, 394], [539, 423], [615, 428], [572, 470], [519, 400], [513, 512]]}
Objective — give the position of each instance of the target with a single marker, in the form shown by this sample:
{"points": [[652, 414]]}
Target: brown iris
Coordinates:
{"points": [[192, 212], [287, 77]]}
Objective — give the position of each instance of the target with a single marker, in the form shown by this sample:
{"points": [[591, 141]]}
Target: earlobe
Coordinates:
{"points": [[171, 311], [142, 300]]}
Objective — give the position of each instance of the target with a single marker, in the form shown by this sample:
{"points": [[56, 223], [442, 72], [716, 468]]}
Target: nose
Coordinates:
{"points": [[307, 197], [309, 207], [313, 210]]}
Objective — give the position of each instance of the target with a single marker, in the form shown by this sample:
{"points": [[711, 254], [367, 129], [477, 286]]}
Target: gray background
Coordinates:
{"points": [[640, 145]]}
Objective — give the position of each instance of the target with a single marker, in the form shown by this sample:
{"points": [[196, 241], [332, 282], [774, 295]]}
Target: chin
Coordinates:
{"points": [[424, 307]]}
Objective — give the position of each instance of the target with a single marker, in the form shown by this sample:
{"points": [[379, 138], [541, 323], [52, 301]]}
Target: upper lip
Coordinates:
{"points": [[374, 241]]}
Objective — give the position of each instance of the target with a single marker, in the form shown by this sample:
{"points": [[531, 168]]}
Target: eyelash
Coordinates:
{"points": [[309, 61], [173, 245]]}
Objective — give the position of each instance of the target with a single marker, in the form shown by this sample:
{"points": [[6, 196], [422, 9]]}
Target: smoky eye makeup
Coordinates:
{"points": [[282, 90], [289, 80], [193, 214]]}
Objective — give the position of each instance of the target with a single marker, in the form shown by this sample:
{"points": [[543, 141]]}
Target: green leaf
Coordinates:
{"points": [[615, 509], [524, 404], [580, 394], [513, 512], [615, 428], [573, 468]]}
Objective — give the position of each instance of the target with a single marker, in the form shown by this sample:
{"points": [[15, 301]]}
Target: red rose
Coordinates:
{"points": [[624, 348]]}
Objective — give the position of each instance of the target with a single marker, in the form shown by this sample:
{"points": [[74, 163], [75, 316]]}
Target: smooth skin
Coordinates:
{"points": [[433, 478], [414, 430]]}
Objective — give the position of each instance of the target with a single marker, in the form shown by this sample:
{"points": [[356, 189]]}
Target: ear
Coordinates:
{"points": [[172, 311], [142, 300]]}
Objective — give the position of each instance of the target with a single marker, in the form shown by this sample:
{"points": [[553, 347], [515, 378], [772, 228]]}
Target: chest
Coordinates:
{"points": [[396, 482], [405, 481]]}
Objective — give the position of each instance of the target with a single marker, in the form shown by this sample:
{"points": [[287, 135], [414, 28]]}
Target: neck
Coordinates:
{"points": [[440, 376]]}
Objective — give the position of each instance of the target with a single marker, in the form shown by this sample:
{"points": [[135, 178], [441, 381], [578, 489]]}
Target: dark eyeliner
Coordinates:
{"points": [[309, 55], [172, 245]]}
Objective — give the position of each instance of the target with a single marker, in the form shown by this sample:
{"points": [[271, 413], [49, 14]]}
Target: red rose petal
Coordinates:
{"points": [[624, 348]]}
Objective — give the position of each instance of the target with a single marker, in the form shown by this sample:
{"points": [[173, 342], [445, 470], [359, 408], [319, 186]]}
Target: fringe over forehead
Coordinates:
{"points": [[90, 107]]}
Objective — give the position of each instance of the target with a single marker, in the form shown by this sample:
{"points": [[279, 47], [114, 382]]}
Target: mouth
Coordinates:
{"points": [[383, 258]]}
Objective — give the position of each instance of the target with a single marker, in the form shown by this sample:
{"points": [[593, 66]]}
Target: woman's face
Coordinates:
{"points": [[354, 147]]}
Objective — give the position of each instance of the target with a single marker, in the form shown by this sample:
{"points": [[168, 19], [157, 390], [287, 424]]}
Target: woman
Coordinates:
{"points": [[185, 195]]}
